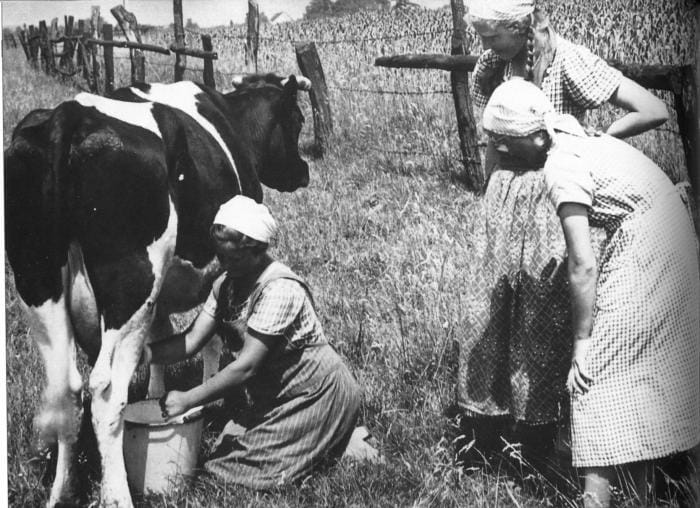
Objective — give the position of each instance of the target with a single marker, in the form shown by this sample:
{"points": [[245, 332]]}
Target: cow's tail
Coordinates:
{"points": [[58, 191], [35, 179]]}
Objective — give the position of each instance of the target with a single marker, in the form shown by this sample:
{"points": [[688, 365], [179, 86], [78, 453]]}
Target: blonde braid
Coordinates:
{"points": [[529, 63]]}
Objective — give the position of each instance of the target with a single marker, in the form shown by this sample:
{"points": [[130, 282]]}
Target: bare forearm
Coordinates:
{"points": [[644, 110], [233, 375], [582, 283], [179, 346], [633, 123]]}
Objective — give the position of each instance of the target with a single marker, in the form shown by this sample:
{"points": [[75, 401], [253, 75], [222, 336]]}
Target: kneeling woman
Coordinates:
{"points": [[305, 400], [634, 373]]}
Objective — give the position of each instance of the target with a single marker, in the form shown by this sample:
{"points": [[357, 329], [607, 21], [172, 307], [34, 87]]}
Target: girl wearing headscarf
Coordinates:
{"points": [[633, 373], [305, 401], [511, 357]]}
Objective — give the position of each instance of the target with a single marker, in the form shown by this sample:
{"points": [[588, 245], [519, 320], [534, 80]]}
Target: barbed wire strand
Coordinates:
{"points": [[352, 40], [390, 92]]}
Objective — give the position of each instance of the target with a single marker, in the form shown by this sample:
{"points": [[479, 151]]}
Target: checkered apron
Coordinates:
{"points": [[516, 348], [305, 400]]}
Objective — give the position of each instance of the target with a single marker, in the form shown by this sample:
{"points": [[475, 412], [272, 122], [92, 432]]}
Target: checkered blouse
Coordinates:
{"points": [[283, 308], [575, 81]]}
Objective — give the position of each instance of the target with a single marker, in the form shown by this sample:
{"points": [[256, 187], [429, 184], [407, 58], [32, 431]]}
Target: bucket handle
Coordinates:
{"points": [[191, 415]]}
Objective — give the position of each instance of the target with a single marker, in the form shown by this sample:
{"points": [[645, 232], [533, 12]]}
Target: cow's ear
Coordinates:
{"points": [[303, 83], [237, 80]]}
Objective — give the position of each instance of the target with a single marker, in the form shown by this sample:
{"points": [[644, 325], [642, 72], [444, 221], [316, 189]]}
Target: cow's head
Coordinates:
{"points": [[265, 108]]}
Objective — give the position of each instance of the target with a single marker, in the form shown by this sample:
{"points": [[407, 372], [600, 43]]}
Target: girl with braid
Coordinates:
{"points": [[516, 351]]}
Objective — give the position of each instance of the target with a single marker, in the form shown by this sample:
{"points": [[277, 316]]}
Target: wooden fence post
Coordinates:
{"points": [[180, 58], [251, 45], [45, 46], [310, 66], [208, 63], [66, 61], [34, 43], [130, 27], [53, 29], [466, 126], [22, 36], [107, 35], [94, 21], [79, 55]]}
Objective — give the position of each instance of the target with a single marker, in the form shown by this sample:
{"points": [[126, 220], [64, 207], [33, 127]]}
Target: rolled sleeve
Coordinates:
{"points": [[589, 80], [210, 304], [568, 180]]}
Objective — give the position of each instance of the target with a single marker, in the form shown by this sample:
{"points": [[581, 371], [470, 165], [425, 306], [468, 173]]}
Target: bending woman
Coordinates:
{"points": [[511, 355], [305, 400], [634, 369]]}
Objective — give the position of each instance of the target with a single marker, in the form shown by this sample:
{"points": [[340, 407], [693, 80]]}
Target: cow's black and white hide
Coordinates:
{"points": [[108, 203]]}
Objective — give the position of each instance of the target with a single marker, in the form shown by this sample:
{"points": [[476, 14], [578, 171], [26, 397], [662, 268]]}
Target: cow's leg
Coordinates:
{"points": [[211, 354], [160, 329], [61, 411], [109, 384], [122, 345]]}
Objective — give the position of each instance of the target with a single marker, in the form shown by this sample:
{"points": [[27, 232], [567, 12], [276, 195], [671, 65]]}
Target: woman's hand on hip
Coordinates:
{"points": [[174, 403], [579, 380]]}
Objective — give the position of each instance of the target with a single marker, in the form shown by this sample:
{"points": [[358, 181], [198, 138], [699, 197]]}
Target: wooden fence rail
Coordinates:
{"points": [[678, 79]]}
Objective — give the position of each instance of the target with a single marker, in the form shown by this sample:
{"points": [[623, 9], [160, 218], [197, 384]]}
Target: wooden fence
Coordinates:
{"points": [[681, 80], [81, 43]]}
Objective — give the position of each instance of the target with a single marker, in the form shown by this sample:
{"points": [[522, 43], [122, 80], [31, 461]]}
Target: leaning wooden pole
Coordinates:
{"points": [[22, 36], [130, 27], [466, 126], [310, 66], [180, 58]]}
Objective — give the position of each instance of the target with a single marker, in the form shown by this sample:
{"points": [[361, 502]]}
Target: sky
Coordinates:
{"points": [[205, 13]]}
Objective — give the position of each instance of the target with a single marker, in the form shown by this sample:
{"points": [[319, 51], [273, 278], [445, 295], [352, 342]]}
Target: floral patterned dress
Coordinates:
{"points": [[516, 348]]}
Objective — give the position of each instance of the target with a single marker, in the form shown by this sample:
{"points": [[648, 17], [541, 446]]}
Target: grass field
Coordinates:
{"points": [[382, 235]]}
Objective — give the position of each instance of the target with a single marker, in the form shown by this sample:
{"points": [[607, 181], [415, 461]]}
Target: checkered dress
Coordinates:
{"points": [[645, 352], [305, 400], [516, 349]]}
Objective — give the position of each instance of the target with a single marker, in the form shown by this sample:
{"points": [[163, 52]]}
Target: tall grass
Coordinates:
{"points": [[381, 234]]}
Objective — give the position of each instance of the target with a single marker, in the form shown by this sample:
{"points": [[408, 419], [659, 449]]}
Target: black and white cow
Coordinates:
{"points": [[108, 203]]}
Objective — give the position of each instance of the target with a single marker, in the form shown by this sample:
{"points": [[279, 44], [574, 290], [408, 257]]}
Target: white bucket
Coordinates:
{"points": [[156, 451]]}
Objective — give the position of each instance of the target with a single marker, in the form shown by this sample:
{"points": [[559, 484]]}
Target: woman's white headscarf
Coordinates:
{"points": [[518, 108], [248, 217], [500, 10]]}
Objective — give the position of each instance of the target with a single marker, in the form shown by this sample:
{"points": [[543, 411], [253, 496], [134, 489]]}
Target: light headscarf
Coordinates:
{"points": [[500, 10], [518, 108], [247, 216]]}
